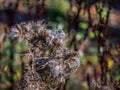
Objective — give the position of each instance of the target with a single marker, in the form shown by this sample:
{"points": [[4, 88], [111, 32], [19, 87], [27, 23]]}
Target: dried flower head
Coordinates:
{"points": [[51, 59]]}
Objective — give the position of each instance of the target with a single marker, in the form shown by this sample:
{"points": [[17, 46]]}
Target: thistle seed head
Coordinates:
{"points": [[52, 61]]}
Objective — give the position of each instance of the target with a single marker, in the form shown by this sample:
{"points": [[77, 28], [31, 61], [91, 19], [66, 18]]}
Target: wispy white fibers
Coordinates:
{"points": [[51, 62]]}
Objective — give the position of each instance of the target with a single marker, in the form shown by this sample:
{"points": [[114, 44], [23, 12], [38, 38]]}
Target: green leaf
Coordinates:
{"points": [[73, 86], [83, 25], [8, 52], [108, 75], [3, 79], [25, 47], [18, 68], [96, 32], [18, 47], [91, 35], [104, 14], [59, 19], [14, 77], [7, 43], [93, 59], [79, 36], [61, 5], [117, 75]]}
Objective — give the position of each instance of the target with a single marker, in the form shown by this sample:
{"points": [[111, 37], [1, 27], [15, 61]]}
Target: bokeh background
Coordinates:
{"points": [[93, 29]]}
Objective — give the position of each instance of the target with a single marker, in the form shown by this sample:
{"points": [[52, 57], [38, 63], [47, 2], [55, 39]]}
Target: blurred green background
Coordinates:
{"points": [[93, 31]]}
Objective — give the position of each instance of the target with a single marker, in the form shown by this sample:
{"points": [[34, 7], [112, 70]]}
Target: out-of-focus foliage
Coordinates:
{"points": [[10, 63], [83, 25], [98, 48]]}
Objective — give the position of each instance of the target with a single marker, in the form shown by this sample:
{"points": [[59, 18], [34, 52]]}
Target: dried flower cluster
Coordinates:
{"points": [[52, 62]]}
